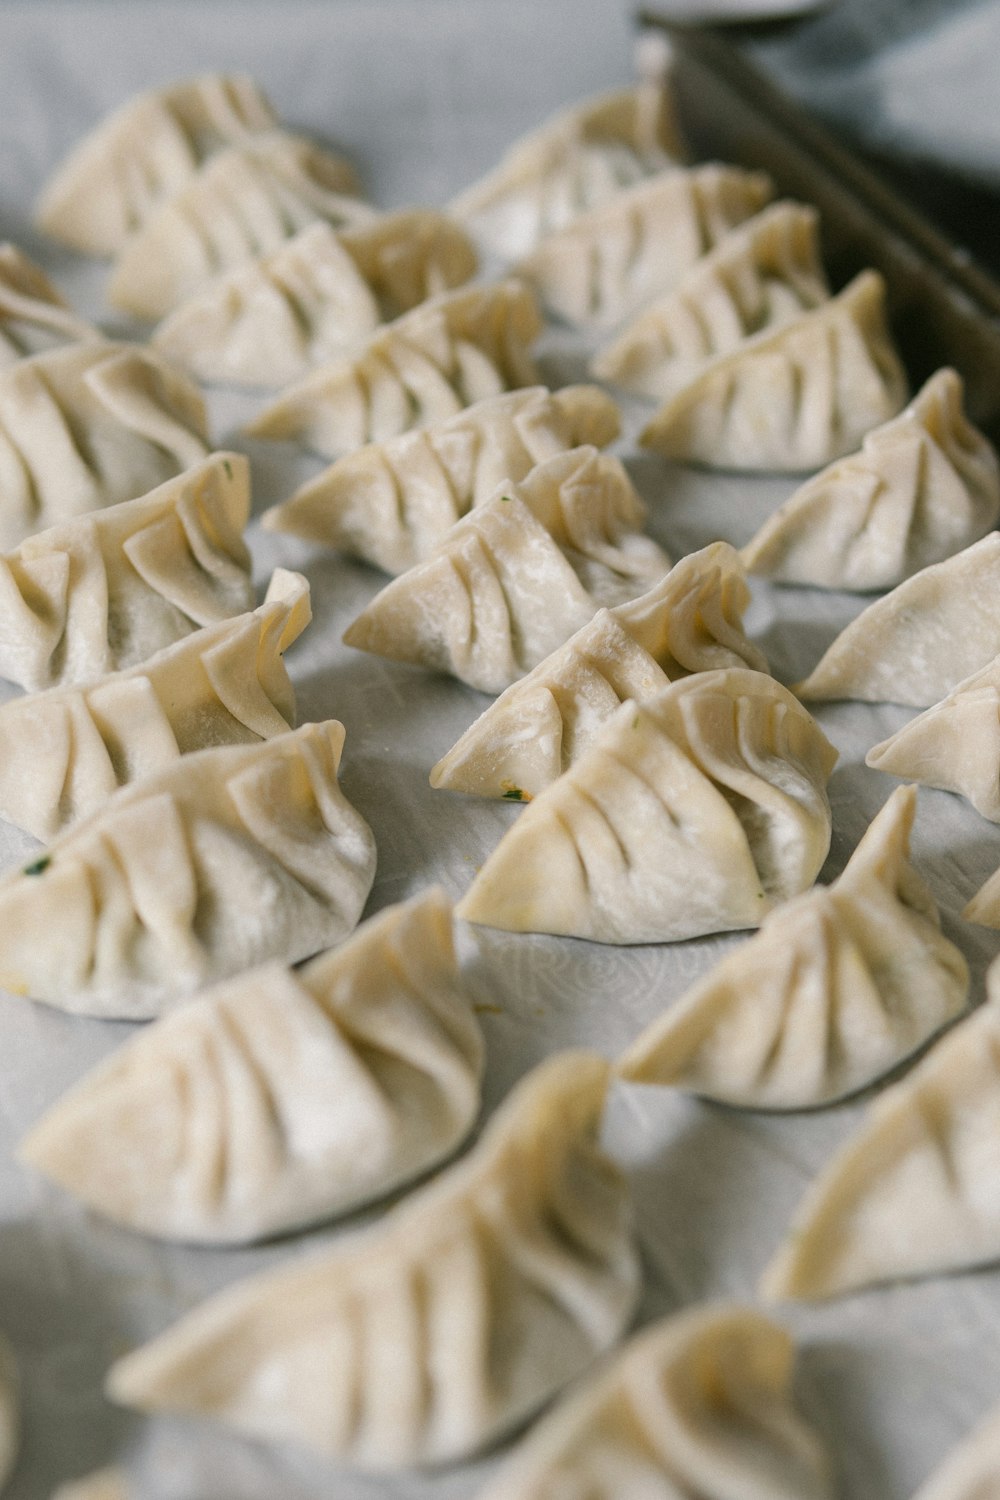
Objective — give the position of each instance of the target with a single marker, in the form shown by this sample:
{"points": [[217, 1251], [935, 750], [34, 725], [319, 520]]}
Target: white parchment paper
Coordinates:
{"points": [[425, 94]]}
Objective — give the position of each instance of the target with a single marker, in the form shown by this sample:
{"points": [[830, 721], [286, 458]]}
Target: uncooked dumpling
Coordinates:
{"points": [[391, 503], [279, 1097], [142, 154], [33, 314], [107, 590], [243, 202], [917, 643], [972, 1471], [424, 1338], [954, 746], [916, 1191], [517, 576], [835, 990], [765, 273], [697, 1407], [793, 398], [924, 486], [613, 260], [574, 162], [319, 295], [695, 811], [62, 753], [426, 366], [225, 859], [691, 621], [90, 425]]}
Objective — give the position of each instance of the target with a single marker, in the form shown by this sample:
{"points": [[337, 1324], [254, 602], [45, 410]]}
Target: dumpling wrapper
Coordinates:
{"points": [[140, 155], [954, 746], [984, 908], [424, 1338], [319, 295], [614, 259], [697, 1407], [837, 988], [63, 752], [919, 642], [575, 161], [517, 576], [391, 503], [227, 858], [242, 202], [91, 425], [105, 591], [972, 1471], [696, 811], [34, 315], [923, 486], [424, 367], [793, 398], [691, 621], [766, 272], [282, 1096], [915, 1191]]}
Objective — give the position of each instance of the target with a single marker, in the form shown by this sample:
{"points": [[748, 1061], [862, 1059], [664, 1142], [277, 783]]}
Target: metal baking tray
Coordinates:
{"points": [[945, 309]]}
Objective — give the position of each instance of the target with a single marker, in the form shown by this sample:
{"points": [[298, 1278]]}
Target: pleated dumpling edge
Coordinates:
{"points": [[838, 987], [224, 859], [468, 1306], [279, 1097], [677, 822]]}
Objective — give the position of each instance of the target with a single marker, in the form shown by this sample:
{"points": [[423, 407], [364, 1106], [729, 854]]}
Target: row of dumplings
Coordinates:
{"points": [[89, 425], [702, 1402], [494, 1285], [533, 1262]]}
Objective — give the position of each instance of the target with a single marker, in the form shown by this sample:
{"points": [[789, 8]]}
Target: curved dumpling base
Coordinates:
{"points": [[794, 398], [695, 812], [148, 899], [517, 576], [697, 1407], [391, 503], [107, 590], [87, 426], [919, 642], [33, 313], [972, 1471], [62, 753], [954, 746], [426, 366], [142, 154], [833, 992], [615, 258], [916, 1192], [242, 202], [924, 486], [424, 1338], [316, 297], [764, 273], [579, 159], [691, 621], [280, 1097]]}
